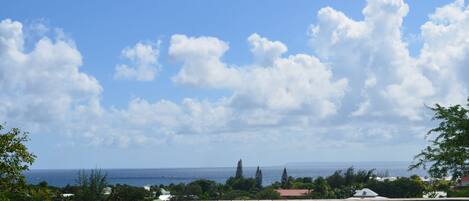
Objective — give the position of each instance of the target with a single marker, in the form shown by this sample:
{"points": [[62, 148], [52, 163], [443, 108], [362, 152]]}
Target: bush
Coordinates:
{"points": [[268, 194]]}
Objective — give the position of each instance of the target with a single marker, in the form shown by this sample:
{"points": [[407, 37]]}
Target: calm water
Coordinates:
{"points": [[141, 177]]}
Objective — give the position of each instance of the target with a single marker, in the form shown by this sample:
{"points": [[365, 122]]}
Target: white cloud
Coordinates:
{"points": [[43, 86], [402, 84], [201, 62], [265, 52], [297, 83], [144, 62], [354, 92]]}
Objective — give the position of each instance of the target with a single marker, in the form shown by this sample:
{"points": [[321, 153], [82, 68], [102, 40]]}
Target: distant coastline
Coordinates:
{"points": [[165, 176]]}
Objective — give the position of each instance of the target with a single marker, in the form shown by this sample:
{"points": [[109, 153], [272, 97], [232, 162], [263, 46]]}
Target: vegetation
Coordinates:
{"points": [[239, 169], [258, 178], [14, 159], [448, 154], [91, 187], [449, 151]]}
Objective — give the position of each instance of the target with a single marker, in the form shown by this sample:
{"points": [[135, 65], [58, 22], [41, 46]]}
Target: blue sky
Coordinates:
{"points": [[203, 83]]}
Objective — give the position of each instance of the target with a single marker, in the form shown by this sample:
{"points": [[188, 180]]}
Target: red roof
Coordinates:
{"points": [[465, 179], [292, 192]]}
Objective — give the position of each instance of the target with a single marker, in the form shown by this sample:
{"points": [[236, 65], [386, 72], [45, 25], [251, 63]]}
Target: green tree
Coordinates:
{"points": [[336, 180], [268, 194], [91, 186], [258, 178], [239, 169], [402, 187], [449, 150], [243, 184], [128, 193], [14, 159], [285, 180], [322, 190]]}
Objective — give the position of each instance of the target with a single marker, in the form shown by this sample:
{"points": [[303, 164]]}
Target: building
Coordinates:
{"points": [[435, 194], [107, 190], [464, 181], [165, 195], [366, 193], [293, 193], [386, 179]]}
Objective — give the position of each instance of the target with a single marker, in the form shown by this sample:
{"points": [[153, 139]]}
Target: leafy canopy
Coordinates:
{"points": [[449, 150], [14, 159]]}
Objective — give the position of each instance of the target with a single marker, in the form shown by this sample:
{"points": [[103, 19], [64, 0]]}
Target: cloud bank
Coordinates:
{"points": [[361, 85]]}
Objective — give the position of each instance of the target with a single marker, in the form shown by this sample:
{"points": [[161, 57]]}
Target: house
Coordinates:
{"points": [[293, 193], [435, 194], [68, 195], [366, 193], [386, 179], [464, 181], [107, 190], [165, 195]]}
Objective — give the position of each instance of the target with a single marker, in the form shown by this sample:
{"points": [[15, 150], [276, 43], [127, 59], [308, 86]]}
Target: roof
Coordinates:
{"points": [[292, 192], [465, 179], [366, 192]]}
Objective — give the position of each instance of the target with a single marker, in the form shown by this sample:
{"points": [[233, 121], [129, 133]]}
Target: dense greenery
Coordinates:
{"points": [[14, 159], [449, 151]]}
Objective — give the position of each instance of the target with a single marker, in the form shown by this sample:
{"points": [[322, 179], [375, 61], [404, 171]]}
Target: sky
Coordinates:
{"points": [[155, 84]]}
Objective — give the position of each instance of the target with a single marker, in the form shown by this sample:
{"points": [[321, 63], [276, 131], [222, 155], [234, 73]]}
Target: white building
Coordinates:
{"points": [[165, 195], [435, 194], [366, 193], [107, 190], [386, 178]]}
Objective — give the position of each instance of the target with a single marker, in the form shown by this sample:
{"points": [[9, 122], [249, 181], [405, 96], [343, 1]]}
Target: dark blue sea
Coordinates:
{"points": [[142, 177]]}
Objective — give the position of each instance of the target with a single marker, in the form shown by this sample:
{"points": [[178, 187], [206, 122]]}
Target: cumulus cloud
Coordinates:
{"points": [[44, 85], [144, 62], [297, 83], [403, 84], [358, 84]]}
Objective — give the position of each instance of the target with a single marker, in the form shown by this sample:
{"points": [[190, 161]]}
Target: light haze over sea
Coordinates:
{"points": [[142, 177]]}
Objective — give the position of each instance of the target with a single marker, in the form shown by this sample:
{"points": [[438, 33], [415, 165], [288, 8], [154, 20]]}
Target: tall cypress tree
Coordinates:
{"points": [[284, 179], [239, 169], [258, 177]]}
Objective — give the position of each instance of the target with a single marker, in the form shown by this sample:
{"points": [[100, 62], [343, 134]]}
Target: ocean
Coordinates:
{"points": [[143, 177]]}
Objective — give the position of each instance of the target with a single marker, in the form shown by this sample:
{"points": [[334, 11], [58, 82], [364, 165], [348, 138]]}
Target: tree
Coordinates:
{"points": [[402, 187], [285, 180], [449, 150], [239, 169], [268, 194], [336, 180], [258, 177], [127, 193], [14, 159], [91, 186], [322, 190], [243, 184]]}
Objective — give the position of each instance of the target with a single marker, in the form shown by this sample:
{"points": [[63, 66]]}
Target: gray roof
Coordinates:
{"points": [[366, 192]]}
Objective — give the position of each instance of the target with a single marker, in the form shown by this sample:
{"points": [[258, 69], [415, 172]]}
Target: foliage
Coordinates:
{"points": [[268, 194], [322, 190], [236, 195], [239, 169], [128, 193], [258, 178], [449, 151], [285, 182], [243, 184], [91, 186], [14, 159], [400, 188], [302, 183], [460, 192]]}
